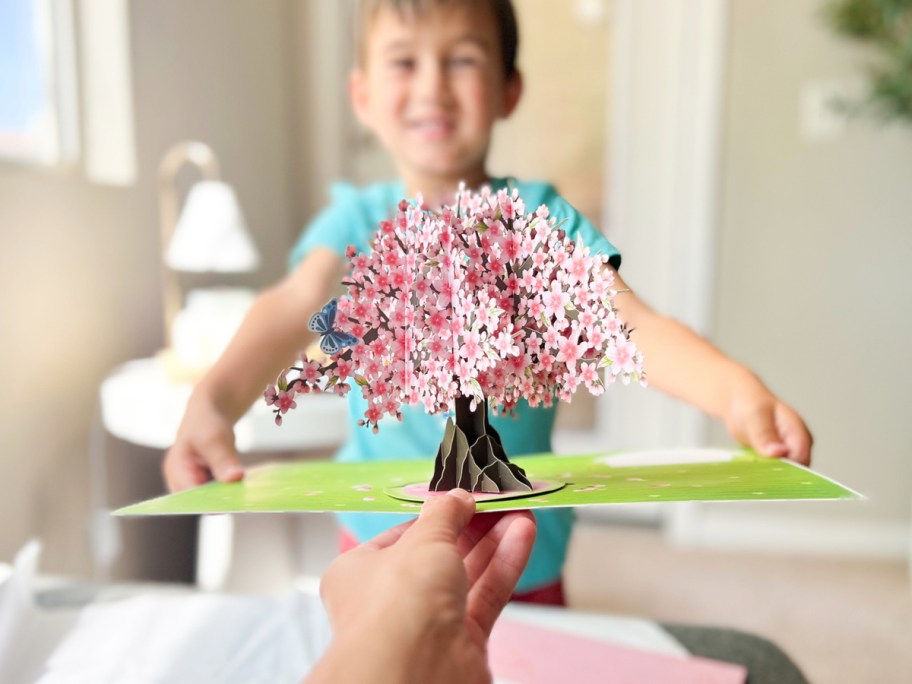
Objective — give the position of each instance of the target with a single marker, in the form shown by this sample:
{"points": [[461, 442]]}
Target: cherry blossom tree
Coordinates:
{"points": [[477, 304]]}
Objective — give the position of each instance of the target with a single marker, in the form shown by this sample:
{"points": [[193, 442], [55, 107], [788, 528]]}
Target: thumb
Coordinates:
{"points": [[223, 460], [763, 436], [443, 518]]}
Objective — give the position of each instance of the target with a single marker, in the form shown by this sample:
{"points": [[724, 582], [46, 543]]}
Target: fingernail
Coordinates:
{"points": [[232, 473], [462, 494]]}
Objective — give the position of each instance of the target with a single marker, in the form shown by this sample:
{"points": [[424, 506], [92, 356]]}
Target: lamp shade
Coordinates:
{"points": [[211, 233]]}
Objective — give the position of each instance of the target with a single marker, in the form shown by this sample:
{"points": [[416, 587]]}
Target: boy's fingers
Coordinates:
{"points": [[800, 447], [797, 438], [223, 461], [764, 437], [184, 467], [444, 517], [182, 470]]}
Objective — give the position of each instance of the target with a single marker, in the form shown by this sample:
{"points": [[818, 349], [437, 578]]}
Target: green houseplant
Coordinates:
{"points": [[886, 27]]}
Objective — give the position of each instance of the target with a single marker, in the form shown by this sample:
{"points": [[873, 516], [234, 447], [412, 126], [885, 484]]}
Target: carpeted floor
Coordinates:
{"points": [[842, 621]]}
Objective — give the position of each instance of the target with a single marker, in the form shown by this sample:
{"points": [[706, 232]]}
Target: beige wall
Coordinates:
{"points": [[79, 264], [815, 247], [559, 129]]}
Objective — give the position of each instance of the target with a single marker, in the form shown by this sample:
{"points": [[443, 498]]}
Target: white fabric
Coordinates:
{"points": [[165, 634]]}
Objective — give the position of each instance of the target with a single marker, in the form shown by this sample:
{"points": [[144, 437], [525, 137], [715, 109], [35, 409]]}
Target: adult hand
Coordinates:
{"points": [[758, 419], [203, 448], [419, 602]]}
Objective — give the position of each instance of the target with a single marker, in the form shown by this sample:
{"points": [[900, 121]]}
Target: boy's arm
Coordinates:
{"points": [[688, 367], [273, 332]]}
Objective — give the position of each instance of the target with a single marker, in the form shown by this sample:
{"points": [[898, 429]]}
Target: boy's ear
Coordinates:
{"points": [[512, 92], [358, 93]]}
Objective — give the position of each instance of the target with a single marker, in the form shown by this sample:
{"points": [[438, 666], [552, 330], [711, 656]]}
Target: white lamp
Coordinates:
{"points": [[210, 235]]}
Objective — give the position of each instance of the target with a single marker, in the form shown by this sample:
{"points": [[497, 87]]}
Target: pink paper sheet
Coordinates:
{"points": [[526, 654]]}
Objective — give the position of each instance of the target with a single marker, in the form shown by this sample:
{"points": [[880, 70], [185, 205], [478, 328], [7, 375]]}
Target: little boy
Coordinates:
{"points": [[432, 79]]}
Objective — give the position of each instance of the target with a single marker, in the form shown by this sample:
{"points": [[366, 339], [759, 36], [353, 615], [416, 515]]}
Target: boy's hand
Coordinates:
{"points": [[419, 602], [756, 418], [203, 449]]}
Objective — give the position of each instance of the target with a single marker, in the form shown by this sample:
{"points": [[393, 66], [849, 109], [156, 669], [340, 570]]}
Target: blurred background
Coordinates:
{"points": [[704, 137]]}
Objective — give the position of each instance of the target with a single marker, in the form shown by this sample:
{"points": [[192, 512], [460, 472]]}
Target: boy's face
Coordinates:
{"points": [[431, 88]]}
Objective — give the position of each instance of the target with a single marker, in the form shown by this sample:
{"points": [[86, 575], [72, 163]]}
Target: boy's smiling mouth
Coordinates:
{"points": [[432, 128]]}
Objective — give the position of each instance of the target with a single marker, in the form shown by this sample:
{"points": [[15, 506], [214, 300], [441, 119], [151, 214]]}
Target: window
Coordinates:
{"points": [[37, 82]]}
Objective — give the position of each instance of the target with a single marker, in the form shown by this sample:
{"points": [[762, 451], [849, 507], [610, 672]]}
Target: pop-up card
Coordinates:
{"points": [[470, 308]]}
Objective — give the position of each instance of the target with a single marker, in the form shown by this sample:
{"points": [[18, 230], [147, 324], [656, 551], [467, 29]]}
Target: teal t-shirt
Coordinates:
{"points": [[352, 218]]}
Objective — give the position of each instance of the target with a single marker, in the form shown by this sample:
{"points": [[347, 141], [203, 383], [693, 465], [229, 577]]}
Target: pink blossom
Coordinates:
{"points": [[285, 401], [579, 266], [436, 306], [586, 320], [571, 382], [504, 344], [570, 351], [344, 368], [555, 301], [435, 346], [421, 288], [399, 279], [552, 337], [311, 372], [621, 353], [535, 308], [471, 347], [611, 325], [589, 374]]}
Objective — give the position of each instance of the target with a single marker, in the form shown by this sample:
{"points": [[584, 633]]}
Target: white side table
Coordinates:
{"points": [[140, 404]]}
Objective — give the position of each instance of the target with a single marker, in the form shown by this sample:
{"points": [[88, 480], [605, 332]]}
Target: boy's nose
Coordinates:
{"points": [[431, 83]]}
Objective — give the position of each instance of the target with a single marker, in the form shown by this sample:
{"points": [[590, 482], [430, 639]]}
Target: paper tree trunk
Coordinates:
{"points": [[471, 456]]}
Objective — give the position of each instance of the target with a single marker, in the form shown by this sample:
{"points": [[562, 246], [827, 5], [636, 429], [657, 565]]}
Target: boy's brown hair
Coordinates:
{"points": [[502, 11]]}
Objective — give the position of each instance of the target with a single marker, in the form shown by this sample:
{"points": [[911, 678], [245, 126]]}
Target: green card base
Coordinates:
{"points": [[679, 475]]}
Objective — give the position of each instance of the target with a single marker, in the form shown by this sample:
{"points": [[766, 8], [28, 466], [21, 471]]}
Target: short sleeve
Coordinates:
{"points": [[578, 226], [332, 228]]}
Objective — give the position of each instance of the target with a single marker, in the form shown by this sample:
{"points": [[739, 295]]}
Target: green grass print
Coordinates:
{"points": [[591, 480]]}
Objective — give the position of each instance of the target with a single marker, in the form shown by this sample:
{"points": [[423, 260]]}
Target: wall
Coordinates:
{"points": [[814, 248], [558, 131], [79, 264]]}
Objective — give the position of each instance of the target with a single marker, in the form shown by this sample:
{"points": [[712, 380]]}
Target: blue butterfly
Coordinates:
{"points": [[333, 341]]}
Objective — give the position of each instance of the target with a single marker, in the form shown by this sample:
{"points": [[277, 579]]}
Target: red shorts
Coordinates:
{"points": [[548, 595]]}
